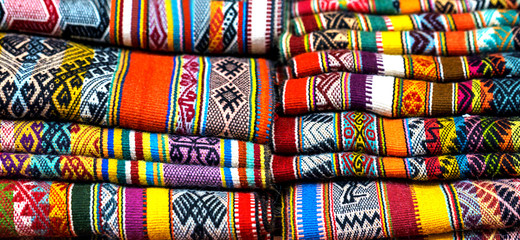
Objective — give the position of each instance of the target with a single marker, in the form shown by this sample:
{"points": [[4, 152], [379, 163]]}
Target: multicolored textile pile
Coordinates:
{"points": [[102, 141], [189, 26], [399, 119], [305, 119]]}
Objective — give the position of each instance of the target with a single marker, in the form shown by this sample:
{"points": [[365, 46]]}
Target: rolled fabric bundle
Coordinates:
{"points": [[66, 138], [305, 7], [353, 164], [192, 26], [60, 209], [124, 172], [378, 209], [420, 67], [421, 22], [46, 78], [478, 41], [396, 97], [407, 137]]}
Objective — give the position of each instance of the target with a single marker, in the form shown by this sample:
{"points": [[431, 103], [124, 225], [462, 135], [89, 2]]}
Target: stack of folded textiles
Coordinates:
{"points": [[106, 141], [399, 119]]}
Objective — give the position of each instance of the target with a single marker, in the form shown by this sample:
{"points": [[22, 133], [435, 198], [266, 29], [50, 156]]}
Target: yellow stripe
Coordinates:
{"points": [[401, 22], [431, 208], [112, 170], [392, 43], [169, 17], [147, 153], [262, 166], [222, 161], [199, 101], [254, 93], [158, 213], [118, 143], [141, 171]]}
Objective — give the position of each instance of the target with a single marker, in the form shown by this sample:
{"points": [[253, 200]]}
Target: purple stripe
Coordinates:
{"points": [[192, 176], [369, 63], [134, 220], [358, 94]]}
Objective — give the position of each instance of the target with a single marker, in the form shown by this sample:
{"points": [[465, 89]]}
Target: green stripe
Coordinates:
{"points": [[80, 208]]}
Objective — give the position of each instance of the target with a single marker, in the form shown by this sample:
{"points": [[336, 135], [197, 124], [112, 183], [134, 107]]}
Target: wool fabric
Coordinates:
{"points": [[364, 132], [53, 79], [353, 164], [351, 209], [60, 209], [478, 41], [419, 67], [89, 169], [306, 7], [189, 26], [66, 138], [480, 234], [422, 22], [396, 97]]}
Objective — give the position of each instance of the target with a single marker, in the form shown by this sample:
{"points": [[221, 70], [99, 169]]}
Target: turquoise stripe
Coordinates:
{"points": [[154, 147]]}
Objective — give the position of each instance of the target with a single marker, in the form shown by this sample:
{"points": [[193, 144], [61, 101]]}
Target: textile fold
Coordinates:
{"points": [[46, 78]]}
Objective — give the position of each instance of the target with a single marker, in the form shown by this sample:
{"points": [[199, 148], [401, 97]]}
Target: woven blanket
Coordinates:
{"points": [[396, 97], [305, 7], [89, 169], [189, 26], [420, 67], [59, 209], [351, 164], [480, 234], [65, 138], [376, 209], [423, 21], [484, 40], [54, 79], [368, 133]]}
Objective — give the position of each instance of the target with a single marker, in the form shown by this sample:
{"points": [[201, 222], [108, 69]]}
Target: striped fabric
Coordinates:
{"points": [[396, 97], [189, 26], [305, 7], [368, 133], [420, 67], [421, 22], [378, 209], [188, 95], [60, 209], [479, 41], [428, 168], [89, 169], [65, 138]]}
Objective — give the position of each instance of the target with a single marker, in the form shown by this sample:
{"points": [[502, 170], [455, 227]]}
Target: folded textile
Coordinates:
{"points": [[480, 234], [484, 40], [376, 209], [368, 133], [422, 22], [305, 7], [190, 26], [65, 138], [353, 164], [53, 79], [59, 209], [420, 67], [89, 169], [396, 97]]}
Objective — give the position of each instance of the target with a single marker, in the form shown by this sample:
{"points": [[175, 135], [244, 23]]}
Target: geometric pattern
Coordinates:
{"points": [[396, 97], [486, 40], [228, 26], [60, 209], [405, 137], [54, 79], [353, 164], [361, 209], [425, 21]]}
